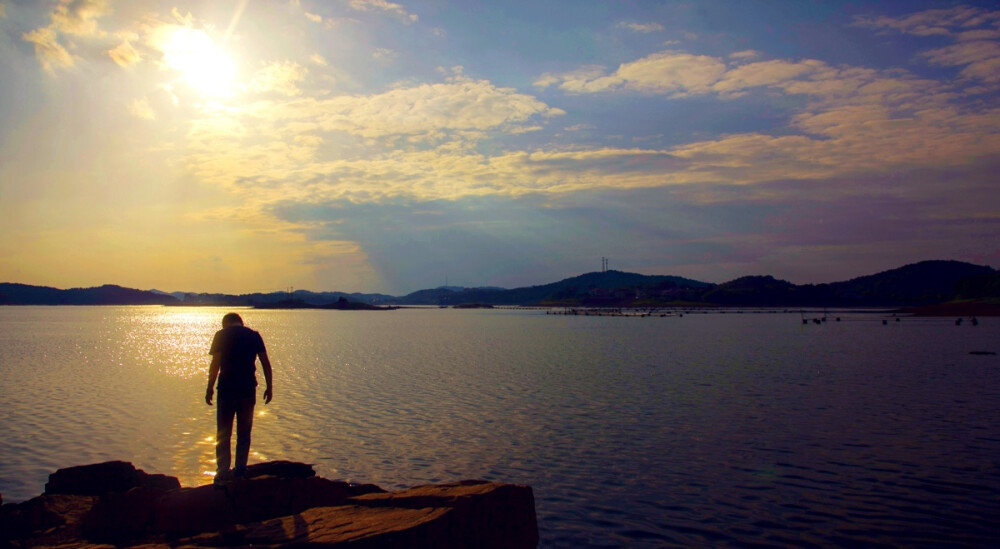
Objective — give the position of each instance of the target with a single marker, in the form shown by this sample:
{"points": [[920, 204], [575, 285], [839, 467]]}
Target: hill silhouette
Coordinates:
{"points": [[570, 288], [109, 294], [918, 284]]}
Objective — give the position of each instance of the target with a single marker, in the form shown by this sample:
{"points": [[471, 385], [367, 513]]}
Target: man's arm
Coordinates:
{"points": [[213, 373], [265, 366]]}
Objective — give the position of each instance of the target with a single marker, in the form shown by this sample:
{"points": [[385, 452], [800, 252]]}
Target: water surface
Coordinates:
{"points": [[719, 429]]}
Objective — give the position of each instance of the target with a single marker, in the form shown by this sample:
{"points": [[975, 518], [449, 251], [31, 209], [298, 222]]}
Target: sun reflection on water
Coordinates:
{"points": [[174, 342]]}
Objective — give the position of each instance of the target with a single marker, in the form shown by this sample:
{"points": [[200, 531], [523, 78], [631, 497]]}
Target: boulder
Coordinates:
{"points": [[121, 516], [281, 468], [99, 479], [486, 514], [56, 517], [346, 526], [209, 508]]}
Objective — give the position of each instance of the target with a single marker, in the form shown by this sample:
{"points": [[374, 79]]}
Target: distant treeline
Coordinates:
{"points": [[928, 282], [923, 283]]}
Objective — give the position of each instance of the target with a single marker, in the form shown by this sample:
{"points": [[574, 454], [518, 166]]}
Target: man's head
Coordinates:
{"points": [[231, 319]]}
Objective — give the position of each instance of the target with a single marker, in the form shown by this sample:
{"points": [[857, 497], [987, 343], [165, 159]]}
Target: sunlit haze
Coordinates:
{"points": [[202, 64], [378, 146]]}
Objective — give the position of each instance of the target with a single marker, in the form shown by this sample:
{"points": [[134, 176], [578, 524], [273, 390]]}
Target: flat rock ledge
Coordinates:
{"points": [[279, 504]]}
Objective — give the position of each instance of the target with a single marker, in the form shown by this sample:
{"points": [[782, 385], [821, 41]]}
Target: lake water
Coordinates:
{"points": [[707, 429]]}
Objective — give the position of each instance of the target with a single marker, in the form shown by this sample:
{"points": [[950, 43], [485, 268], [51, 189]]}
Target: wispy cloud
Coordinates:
{"points": [[52, 54], [950, 21], [125, 54], [669, 72], [68, 17], [407, 141], [384, 6], [140, 108], [79, 17], [745, 54], [279, 76], [385, 55], [976, 31], [644, 28], [980, 59]]}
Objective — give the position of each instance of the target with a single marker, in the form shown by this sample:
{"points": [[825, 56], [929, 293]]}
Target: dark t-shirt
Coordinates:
{"points": [[237, 347]]}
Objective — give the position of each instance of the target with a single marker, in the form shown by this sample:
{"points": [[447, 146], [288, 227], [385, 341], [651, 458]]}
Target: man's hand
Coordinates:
{"points": [[208, 396], [267, 395]]}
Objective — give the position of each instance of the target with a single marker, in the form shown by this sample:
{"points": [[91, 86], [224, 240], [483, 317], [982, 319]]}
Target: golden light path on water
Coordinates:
{"points": [[174, 342]]}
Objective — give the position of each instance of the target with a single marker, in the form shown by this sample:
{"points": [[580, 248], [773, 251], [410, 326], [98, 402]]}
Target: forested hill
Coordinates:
{"points": [[607, 283], [109, 294], [923, 283]]}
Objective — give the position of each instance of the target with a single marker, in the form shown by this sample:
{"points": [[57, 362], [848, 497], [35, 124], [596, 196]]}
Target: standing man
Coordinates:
{"points": [[235, 350]]}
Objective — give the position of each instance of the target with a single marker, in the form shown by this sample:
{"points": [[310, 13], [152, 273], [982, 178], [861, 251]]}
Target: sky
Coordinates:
{"points": [[374, 146]]}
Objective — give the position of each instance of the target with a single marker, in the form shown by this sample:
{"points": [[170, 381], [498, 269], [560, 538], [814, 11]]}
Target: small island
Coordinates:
{"points": [[341, 304]]}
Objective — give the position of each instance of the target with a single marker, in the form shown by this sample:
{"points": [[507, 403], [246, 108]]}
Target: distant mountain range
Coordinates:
{"points": [[924, 283]]}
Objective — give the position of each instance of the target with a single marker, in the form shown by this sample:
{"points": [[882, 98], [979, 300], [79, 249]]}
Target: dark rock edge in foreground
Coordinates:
{"points": [[279, 504]]}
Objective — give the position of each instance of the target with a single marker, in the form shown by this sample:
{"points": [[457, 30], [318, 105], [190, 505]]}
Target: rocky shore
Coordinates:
{"points": [[279, 504]]}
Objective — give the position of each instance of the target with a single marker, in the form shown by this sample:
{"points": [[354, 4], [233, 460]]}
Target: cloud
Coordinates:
{"points": [[125, 54], [51, 54], [764, 73], [280, 76], [385, 55], [422, 141], [313, 17], [745, 54], [79, 17], [933, 22], [675, 75], [854, 119], [384, 6], [416, 140], [140, 108], [459, 104], [3, 11], [72, 17], [806, 231], [643, 28], [669, 72], [981, 59], [976, 31]]}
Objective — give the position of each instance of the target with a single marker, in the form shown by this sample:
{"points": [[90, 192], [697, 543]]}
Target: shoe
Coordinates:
{"points": [[240, 473], [222, 477]]}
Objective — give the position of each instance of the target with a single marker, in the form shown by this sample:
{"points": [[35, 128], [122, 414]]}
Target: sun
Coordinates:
{"points": [[203, 65]]}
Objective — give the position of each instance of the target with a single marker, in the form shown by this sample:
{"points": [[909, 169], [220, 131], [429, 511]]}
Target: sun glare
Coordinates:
{"points": [[204, 66]]}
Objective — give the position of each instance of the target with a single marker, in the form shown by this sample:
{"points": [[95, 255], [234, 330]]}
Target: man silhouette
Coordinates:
{"points": [[234, 351]]}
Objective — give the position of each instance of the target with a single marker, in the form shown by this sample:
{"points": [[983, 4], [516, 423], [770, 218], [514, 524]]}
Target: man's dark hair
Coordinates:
{"points": [[230, 319]]}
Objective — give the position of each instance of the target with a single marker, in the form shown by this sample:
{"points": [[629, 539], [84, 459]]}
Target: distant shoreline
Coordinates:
{"points": [[955, 309], [934, 288]]}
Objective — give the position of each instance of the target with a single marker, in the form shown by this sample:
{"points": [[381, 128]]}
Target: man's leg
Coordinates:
{"points": [[244, 424], [226, 411]]}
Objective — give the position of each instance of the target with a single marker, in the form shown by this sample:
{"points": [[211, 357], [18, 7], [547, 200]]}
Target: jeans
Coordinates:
{"points": [[241, 409]]}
